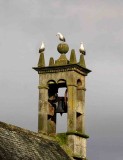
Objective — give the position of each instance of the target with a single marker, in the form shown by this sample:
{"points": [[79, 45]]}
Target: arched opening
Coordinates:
{"points": [[57, 97], [52, 91], [51, 82], [61, 118], [52, 99], [61, 83]]}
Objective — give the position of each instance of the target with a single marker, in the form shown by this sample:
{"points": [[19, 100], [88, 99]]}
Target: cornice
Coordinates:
{"points": [[63, 68]]}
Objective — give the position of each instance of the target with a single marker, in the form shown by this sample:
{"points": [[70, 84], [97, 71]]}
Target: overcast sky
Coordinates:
{"points": [[99, 25]]}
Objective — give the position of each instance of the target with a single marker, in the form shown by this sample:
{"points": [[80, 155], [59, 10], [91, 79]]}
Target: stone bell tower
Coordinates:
{"points": [[70, 74]]}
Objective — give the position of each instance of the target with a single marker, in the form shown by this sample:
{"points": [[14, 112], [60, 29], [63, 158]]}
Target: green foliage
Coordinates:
{"points": [[62, 138]]}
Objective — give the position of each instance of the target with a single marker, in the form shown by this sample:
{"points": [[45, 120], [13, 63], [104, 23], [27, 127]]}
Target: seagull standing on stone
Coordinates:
{"points": [[81, 49], [42, 48], [61, 37]]}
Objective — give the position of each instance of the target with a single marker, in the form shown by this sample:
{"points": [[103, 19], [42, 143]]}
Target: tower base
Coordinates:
{"points": [[77, 143]]}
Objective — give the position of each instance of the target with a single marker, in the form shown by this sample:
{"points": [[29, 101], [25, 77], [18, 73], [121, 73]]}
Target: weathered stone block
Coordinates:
{"points": [[77, 145]]}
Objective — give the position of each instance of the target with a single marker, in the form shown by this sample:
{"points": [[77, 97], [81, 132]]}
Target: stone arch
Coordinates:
{"points": [[61, 83], [79, 113], [52, 88], [51, 82]]}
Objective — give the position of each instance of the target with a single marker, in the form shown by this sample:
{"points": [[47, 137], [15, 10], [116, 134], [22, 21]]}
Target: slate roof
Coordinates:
{"points": [[20, 144]]}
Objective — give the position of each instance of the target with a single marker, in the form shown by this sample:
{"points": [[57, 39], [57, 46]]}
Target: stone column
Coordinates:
{"points": [[76, 139], [80, 110], [83, 107], [72, 102], [43, 109]]}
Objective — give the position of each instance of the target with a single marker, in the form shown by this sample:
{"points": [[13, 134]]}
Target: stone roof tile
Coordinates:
{"points": [[20, 144]]}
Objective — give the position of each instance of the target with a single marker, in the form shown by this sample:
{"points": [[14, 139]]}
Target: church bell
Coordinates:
{"points": [[61, 107]]}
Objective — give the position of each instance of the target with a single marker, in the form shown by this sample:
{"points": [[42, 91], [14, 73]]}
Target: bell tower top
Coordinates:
{"points": [[62, 62], [71, 75]]}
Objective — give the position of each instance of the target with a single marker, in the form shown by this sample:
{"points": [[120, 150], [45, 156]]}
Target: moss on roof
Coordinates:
{"points": [[17, 143]]}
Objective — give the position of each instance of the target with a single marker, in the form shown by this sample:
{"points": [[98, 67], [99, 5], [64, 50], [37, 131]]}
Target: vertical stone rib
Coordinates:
{"points": [[43, 109], [83, 107], [71, 108]]}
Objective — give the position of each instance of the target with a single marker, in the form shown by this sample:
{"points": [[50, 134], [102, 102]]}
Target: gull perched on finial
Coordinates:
{"points": [[61, 37], [81, 49], [42, 48]]}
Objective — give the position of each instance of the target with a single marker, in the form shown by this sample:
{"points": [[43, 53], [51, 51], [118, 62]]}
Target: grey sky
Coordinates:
{"points": [[99, 25]]}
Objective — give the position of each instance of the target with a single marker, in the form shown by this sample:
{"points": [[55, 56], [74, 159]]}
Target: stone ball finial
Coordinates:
{"points": [[63, 48]]}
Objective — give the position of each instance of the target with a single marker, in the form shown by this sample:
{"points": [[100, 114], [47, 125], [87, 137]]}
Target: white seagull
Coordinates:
{"points": [[42, 48], [61, 37], [81, 49]]}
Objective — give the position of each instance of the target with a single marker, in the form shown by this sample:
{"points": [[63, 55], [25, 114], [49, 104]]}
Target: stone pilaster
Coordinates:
{"points": [[80, 110], [43, 109], [78, 145], [72, 102], [83, 107]]}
